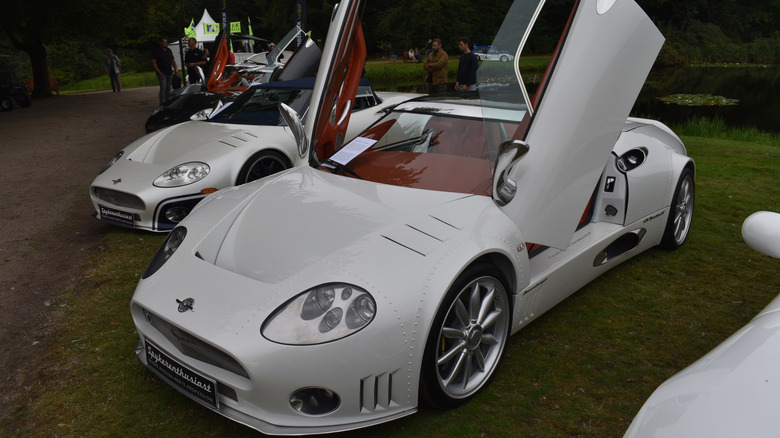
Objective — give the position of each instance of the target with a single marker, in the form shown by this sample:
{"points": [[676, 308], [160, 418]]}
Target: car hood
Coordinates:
{"points": [[303, 216], [193, 141]]}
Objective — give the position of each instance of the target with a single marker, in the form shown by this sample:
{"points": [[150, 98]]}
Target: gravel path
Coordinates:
{"points": [[49, 154]]}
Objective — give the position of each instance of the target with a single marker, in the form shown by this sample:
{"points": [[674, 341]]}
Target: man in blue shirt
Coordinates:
{"points": [[467, 67], [165, 65]]}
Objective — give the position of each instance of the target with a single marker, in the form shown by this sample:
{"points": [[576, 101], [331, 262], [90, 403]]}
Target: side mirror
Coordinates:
{"points": [[509, 152], [205, 113], [761, 232], [293, 120]]}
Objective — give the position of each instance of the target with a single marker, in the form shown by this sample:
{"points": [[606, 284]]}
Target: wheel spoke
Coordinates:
{"points": [[480, 360], [474, 303], [467, 370], [453, 333], [487, 304], [454, 351], [489, 339], [462, 313], [491, 319], [455, 369]]}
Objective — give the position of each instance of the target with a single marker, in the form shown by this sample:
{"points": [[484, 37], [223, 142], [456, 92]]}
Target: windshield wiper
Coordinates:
{"points": [[340, 169]]}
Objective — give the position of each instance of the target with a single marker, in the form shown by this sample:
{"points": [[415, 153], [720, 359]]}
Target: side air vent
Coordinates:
{"points": [[376, 392], [621, 245]]}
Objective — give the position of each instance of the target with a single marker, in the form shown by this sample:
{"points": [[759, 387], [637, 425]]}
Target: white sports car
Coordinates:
{"points": [[490, 53], [391, 270], [154, 182], [734, 390]]}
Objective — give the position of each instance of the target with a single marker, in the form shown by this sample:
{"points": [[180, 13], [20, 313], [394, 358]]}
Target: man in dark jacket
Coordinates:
{"points": [[467, 67], [165, 65], [193, 59]]}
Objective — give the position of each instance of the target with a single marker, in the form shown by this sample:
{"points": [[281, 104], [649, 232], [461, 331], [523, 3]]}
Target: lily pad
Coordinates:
{"points": [[698, 100]]}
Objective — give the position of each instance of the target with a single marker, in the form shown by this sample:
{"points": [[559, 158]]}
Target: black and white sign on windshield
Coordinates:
{"points": [[349, 152]]}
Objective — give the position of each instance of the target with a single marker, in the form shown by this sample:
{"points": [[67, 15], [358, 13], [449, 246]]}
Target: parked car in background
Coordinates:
{"points": [[390, 270], [11, 94], [734, 390], [223, 82], [153, 183], [491, 53]]}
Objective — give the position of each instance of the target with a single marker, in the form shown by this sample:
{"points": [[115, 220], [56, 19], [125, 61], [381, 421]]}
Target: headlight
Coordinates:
{"points": [[113, 160], [321, 314], [168, 247], [182, 175]]}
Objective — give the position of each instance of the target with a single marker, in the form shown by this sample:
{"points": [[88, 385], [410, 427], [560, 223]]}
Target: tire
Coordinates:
{"points": [[466, 345], [680, 212], [6, 103], [504, 58], [262, 164]]}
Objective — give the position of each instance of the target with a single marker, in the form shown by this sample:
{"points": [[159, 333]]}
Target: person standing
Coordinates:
{"points": [[436, 66], [164, 64], [111, 65], [467, 67], [192, 59]]}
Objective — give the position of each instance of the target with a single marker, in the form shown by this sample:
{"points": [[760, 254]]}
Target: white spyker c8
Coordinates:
{"points": [[154, 182], [390, 270]]}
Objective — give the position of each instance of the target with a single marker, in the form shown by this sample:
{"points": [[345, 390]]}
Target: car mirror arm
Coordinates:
{"points": [[509, 153], [293, 120]]}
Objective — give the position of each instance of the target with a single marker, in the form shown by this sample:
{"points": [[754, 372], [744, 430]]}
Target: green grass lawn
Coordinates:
{"points": [[582, 369]]}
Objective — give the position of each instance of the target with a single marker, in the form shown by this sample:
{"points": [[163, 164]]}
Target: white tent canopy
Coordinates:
{"points": [[206, 29]]}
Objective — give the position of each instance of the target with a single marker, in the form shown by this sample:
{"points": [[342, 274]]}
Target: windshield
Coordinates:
{"points": [[437, 144], [511, 36], [259, 106]]}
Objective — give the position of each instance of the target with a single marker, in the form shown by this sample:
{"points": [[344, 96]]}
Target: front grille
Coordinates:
{"points": [[193, 347], [118, 198]]}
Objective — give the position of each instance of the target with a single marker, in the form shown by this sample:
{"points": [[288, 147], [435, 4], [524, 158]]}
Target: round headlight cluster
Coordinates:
{"points": [[321, 314], [183, 174]]}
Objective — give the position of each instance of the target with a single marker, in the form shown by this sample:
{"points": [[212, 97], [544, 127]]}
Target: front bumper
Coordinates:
{"points": [[261, 398], [129, 210]]}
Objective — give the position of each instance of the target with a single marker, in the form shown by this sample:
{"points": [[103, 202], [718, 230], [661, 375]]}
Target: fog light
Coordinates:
{"points": [[176, 214], [314, 401]]}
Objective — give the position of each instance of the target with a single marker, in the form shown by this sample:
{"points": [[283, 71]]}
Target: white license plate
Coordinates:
{"points": [[190, 382], [117, 216]]}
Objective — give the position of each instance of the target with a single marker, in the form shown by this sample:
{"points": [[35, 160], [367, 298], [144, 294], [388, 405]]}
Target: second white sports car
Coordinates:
{"points": [[154, 182]]}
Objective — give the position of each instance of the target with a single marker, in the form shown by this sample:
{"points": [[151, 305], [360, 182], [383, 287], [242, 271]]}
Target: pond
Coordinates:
{"points": [[741, 96]]}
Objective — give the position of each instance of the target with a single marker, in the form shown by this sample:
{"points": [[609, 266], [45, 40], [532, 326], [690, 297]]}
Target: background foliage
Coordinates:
{"points": [[69, 39]]}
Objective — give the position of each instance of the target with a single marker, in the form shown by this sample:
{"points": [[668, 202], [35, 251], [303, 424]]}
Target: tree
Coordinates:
{"points": [[32, 25]]}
